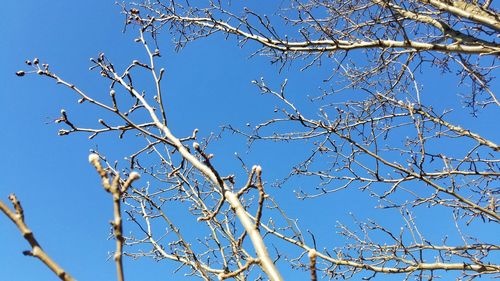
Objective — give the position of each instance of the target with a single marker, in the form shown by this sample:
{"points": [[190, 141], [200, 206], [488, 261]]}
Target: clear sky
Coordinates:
{"points": [[207, 85]]}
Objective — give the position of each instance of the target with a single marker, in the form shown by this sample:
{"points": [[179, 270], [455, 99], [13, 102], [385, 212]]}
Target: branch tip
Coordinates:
{"points": [[134, 176], [196, 145], [93, 157]]}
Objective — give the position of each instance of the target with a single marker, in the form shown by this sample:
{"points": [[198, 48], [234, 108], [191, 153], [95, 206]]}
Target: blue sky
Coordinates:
{"points": [[207, 85], [64, 202]]}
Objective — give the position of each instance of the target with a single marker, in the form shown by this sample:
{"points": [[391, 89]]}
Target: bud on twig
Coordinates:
{"points": [[312, 253], [196, 145], [134, 176], [257, 169], [63, 132], [93, 157]]}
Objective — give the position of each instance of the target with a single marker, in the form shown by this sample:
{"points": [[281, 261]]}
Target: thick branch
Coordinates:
{"points": [[322, 46], [466, 10]]}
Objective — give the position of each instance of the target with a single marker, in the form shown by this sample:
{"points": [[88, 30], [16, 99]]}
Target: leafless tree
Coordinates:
{"points": [[385, 140]]}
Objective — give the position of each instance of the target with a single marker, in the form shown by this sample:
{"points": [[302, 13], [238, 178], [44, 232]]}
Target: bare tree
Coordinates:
{"points": [[384, 140]]}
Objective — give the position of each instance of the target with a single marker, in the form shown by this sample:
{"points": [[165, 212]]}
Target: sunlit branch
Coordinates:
{"points": [[17, 217]]}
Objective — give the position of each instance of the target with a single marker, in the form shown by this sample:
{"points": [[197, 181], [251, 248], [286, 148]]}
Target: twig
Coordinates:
{"points": [[17, 217], [116, 191]]}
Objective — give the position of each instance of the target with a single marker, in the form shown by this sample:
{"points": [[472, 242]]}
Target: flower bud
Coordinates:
{"points": [[134, 176], [93, 157]]}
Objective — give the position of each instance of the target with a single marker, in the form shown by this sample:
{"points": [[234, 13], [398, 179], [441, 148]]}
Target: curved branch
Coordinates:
{"points": [[322, 46]]}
